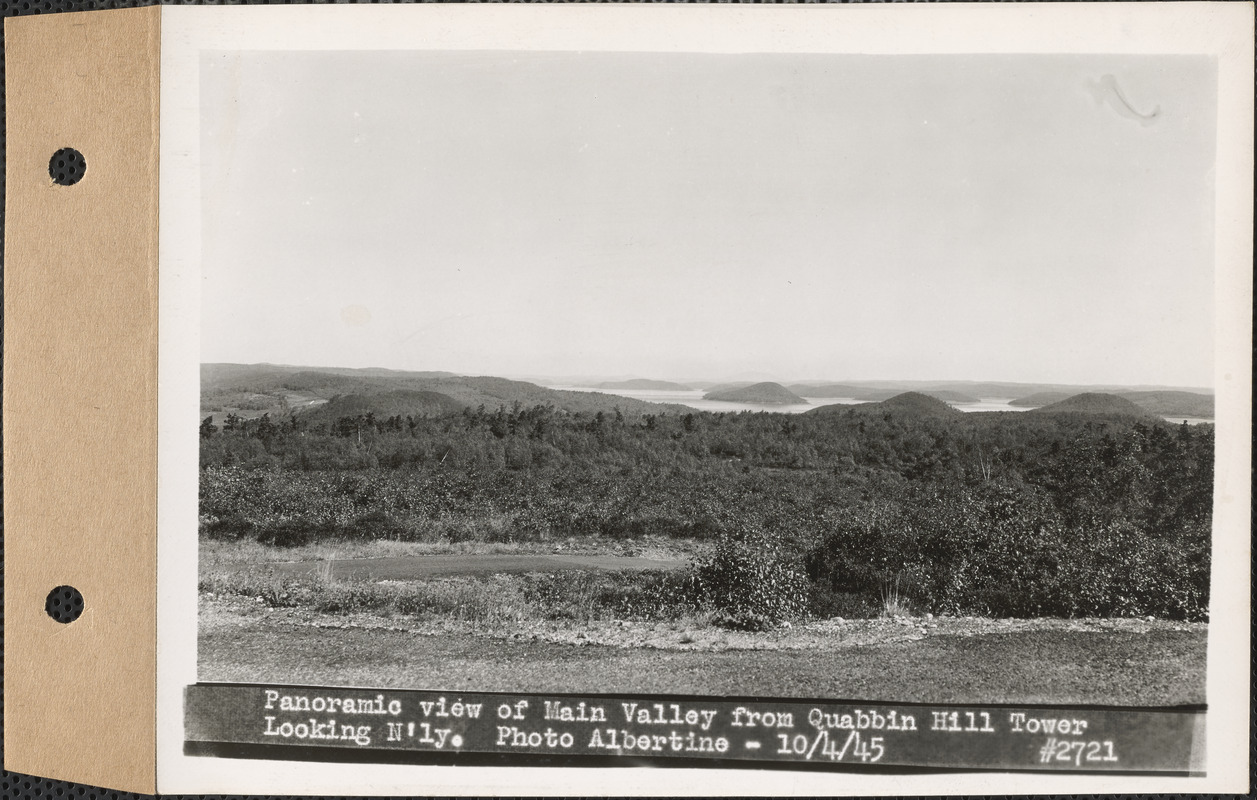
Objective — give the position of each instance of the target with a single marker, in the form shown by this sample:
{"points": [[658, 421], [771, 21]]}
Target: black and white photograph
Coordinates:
{"points": [[885, 378]]}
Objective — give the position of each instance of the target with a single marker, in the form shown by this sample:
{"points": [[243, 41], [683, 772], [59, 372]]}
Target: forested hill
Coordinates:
{"points": [[1161, 402], [279, 388], [951, 396], [827, 390], [400, 403], [906, 404], [946, 395], [279, 391], [877, 394], [1095, 403], [223, 379], [1172, 404], [494, 392], [1041, 399], [767, 393]]}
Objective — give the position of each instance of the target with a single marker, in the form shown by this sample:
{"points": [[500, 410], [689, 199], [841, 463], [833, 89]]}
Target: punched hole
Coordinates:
{"points": [[64, 604], [67, 166]]}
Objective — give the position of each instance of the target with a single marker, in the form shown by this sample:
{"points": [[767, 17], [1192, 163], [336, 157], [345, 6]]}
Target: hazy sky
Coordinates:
{"points": [[686, 216]]}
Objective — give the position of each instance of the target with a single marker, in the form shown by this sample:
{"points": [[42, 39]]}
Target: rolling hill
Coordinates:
{"points": [[278, 387], [1173, 403], [261, 377], [768, 393], [1040, 399], [1097, 403], [277, 390], [402, 403], [1162, 403], [830, 390], [967, 391], [950, 396], [946, 395], [913, 404], [909, 404], [826, 390]]}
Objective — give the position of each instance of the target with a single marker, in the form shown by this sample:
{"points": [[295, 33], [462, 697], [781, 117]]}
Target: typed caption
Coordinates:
{"points": [[716, 729]]}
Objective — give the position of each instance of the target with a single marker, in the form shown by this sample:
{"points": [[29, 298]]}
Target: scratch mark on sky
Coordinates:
{"points": [[1106, 90]]}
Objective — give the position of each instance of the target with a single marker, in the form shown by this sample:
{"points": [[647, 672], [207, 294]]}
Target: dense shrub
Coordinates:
{"points": [[748, 581], [232, 525], [1006, 550]]}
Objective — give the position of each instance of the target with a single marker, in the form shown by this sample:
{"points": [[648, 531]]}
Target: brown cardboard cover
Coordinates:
{"points": [[80, 397]]}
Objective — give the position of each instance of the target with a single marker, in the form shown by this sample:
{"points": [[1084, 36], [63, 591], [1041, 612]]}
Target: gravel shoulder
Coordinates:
{"points": [[943, 659]]}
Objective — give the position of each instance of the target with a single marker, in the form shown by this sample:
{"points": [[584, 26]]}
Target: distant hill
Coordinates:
{"points": [[264, 388], [831, 390], [493, 392], [722, 387], [639, 384], [403, 403], [915, 404], [1040, 399], [277, 387], [826, 390], [1173, 403], [946, 395], [768, 393], [1161, 403], [878, 395], [235, 375], [911, 404], [883, 389], [1094, 403], [950, 396]]}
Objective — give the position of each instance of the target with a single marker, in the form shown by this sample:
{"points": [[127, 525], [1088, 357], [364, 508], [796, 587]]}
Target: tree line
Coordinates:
{"points": [[1005, 513]]}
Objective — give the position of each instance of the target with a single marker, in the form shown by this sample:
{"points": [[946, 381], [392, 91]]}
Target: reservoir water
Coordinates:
{"points": [[694, 399]]}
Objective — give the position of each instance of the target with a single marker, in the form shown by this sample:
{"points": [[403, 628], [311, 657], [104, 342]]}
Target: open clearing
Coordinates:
{"points": [[402, 568], [1112, 662]]}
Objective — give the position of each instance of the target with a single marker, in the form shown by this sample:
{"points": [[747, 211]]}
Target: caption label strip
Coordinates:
{"points": [[823, 733]]}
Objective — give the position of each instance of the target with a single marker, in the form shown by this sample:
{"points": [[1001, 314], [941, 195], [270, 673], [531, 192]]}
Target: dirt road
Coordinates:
{"points": [[414, 567], [1108, 667]]}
